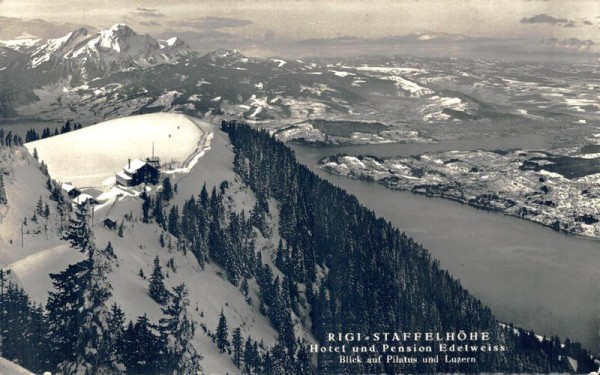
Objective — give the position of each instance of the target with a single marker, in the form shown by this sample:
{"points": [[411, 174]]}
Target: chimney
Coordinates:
{"points": [[128, 163]]}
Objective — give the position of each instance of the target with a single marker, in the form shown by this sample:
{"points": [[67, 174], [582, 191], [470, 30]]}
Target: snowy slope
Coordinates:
{"points": [[24, 185], [10, 368], [55, 48], [89, 156], [209, 161], [208, 291], [20, 44]]}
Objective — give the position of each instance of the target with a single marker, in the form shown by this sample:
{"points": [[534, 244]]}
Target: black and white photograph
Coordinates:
{"points": [[299, 187]]}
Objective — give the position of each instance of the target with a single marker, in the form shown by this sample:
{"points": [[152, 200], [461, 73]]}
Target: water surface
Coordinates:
{"points": [[528, 274]]}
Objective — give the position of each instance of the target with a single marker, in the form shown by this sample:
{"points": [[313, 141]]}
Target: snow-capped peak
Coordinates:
{"points": [[21, 44], [116, 48], [227, 57], [117, 27], [57, 47], [227, 53], [172, 41], [114, 37]]}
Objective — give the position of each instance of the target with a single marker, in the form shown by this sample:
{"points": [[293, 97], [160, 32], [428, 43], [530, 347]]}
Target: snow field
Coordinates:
{"points": [[88, 156]]}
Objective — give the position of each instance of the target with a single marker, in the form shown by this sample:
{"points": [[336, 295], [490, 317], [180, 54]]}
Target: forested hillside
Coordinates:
{"points": [[377, 279]]}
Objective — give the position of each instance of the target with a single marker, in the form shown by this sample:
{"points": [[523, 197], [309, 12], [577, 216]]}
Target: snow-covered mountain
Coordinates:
{"points": [[82, 55], [226, 57], [54, 49], [21, 45], [118, 72]]}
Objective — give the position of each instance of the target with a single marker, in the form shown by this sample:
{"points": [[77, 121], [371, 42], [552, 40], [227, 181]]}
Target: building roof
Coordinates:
{"points": [[123, 176], [82, 198], [68, 187], [134, 165]]}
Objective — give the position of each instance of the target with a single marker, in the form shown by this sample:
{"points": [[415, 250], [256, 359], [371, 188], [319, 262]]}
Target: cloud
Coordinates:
{"points": [[150, 23], [11, 27], [211, 23], [570, 43], [544, 18], [440, 45], [148, 13]]}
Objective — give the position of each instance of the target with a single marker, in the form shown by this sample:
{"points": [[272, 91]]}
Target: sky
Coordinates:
{"points": [[528, 29]]}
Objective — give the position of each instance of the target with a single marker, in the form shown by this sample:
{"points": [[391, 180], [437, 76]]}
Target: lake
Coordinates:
{"points": [[527, 274]]}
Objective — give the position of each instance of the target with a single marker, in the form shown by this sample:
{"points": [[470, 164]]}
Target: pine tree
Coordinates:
{"points": [[282, 364], [167, 191], [62, 307], [66, 127], [3, 284], [109, 251], [303, 361], [120, 231], [158, 213], [44, 168], [177, 330], [116, 342], [173, 220], [145, 352], [281, 257], [222, 333], [37, 340], [156, 288], [146, 203], [204, 200], [236, 341], [2, 191], [78, 314], [264, 364], [249, 358], [79, 233], [94, 337], [23, 332], [244, 287]]}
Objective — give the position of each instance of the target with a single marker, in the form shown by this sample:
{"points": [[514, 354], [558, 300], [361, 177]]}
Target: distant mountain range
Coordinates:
{"points": [[81, 55], [116, 72]]}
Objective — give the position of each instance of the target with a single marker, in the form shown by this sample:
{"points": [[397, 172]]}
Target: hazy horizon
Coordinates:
{"points": [[532, 30]]}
